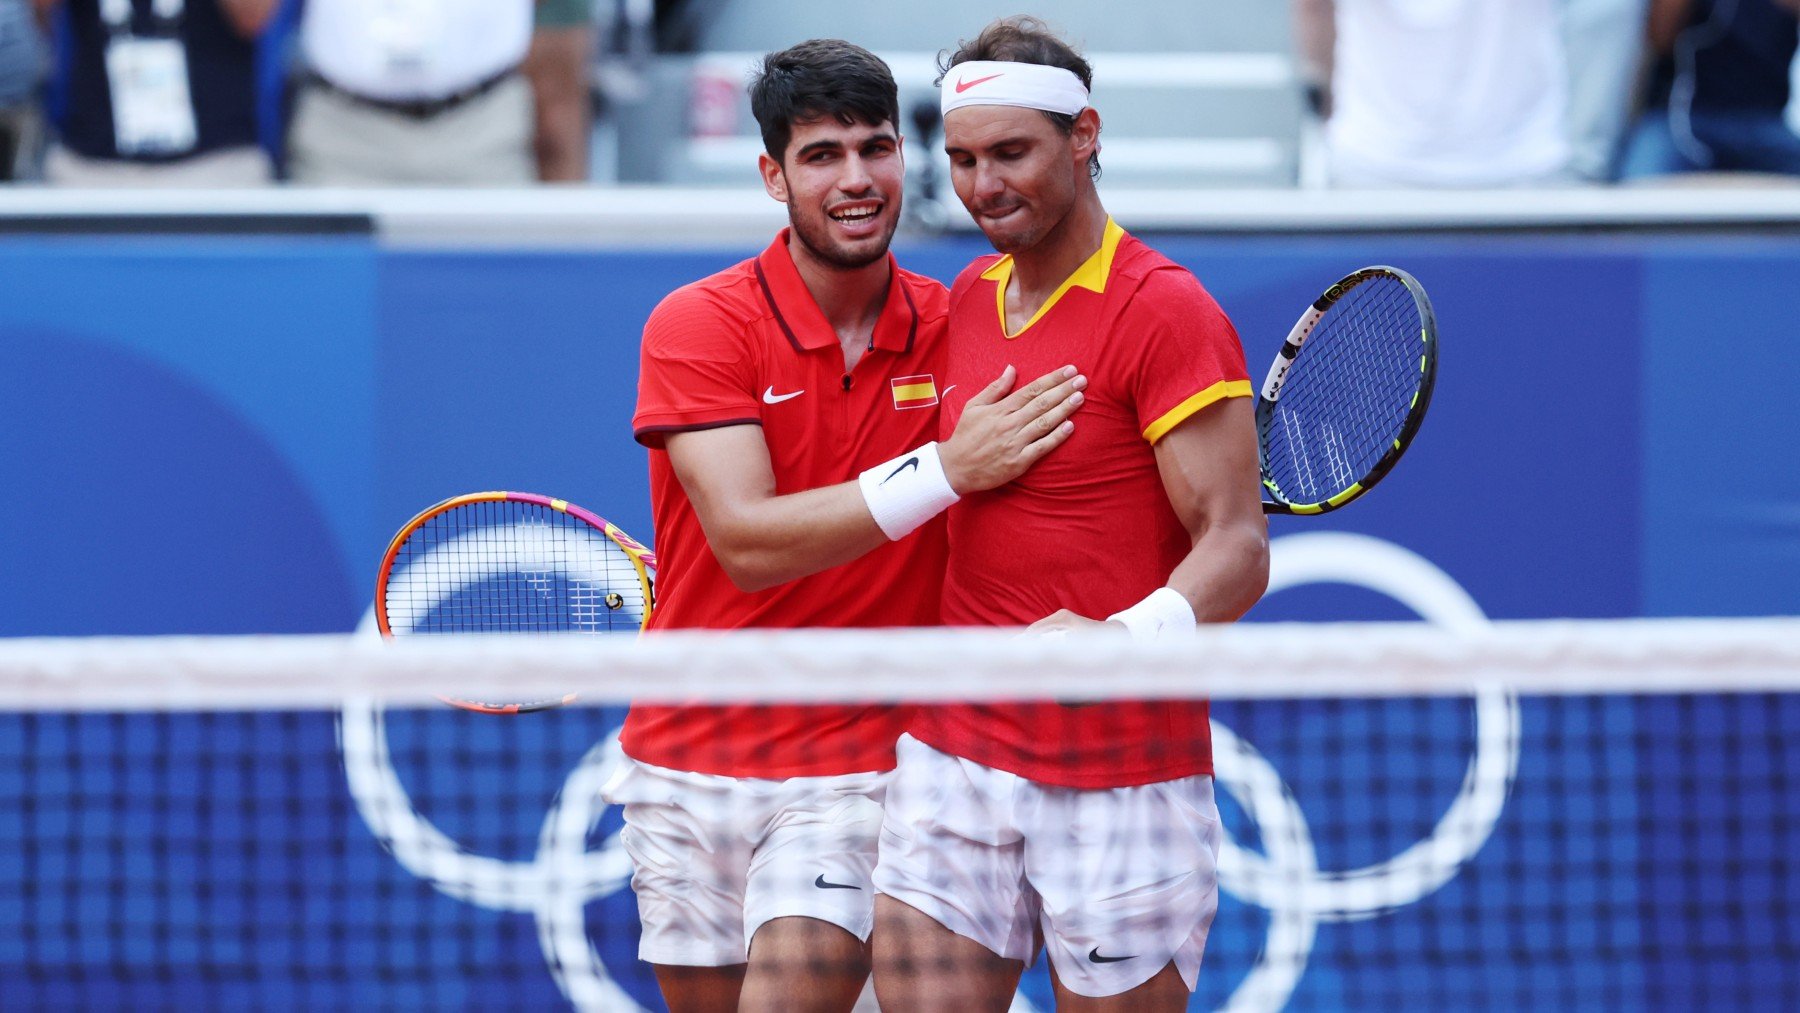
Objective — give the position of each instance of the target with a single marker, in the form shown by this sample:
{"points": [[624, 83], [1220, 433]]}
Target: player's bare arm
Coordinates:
{"points": [[1209, 469], [763, 539]]}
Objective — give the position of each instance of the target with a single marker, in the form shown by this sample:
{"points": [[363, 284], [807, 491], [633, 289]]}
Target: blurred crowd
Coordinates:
{"points": [[1545, 92], [323, 92], [1458, 93]]}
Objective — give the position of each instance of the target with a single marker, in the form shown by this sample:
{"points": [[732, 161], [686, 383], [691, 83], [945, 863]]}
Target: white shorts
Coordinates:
{"points": [[715, 857], [1119, 881]]}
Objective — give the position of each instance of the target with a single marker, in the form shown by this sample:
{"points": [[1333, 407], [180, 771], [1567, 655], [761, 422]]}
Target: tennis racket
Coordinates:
{"points": [[1347, 391], [512, 562]]}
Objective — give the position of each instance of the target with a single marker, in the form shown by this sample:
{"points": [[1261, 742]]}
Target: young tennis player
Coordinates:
{"points": [[790, 404], [1088, 830]]}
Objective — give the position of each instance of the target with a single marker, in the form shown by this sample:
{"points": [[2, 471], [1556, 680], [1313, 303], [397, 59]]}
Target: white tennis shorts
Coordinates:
{"points": [[716, 857], [1120, 881]]}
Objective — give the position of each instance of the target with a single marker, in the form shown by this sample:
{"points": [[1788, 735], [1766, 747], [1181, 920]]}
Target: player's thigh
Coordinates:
{"points": [[814, 855], [699, 989], [957, 923], [1165, 992], [922, 967], [804, 965], [1127, 879], [690, 863]]}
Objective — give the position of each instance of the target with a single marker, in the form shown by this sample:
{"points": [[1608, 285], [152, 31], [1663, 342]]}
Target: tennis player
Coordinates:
{"points": [[1087, 830], [790, 404]]}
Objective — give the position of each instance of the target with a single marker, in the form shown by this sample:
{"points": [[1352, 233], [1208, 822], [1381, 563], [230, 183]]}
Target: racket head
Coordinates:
{"points": [[512, 562], [1347, 392]]}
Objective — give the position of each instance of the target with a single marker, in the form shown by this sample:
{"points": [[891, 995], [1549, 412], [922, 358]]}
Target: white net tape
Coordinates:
{"points": [[1244, 661]]}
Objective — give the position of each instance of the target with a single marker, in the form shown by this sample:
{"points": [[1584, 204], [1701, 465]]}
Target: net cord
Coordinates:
{"points": [[1260, 660]]}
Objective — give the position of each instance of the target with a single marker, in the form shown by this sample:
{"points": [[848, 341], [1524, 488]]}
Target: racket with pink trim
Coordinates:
{"points": [[512, 562]]}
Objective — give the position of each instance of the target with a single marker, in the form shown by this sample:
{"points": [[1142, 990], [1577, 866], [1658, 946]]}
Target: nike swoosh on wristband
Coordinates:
{"points": [[1094, 955], [770, 397], [911, 462], [823, 885], [962, 86]]}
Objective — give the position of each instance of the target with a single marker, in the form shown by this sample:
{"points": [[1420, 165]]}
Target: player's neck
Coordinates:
{"points": [[851, 298], [1040, 270]]}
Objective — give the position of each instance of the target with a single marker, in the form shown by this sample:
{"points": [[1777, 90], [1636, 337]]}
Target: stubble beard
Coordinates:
{"points": [[815, 235]]}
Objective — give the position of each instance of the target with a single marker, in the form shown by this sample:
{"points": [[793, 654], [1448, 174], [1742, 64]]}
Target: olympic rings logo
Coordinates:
{"points": [[556, 885]]}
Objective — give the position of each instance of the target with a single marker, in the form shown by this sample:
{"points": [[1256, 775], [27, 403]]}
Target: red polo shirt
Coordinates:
{"points": [[748, 346], [1090, 528]]}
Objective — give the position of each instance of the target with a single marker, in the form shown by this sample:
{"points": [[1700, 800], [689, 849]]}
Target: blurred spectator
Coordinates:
{"points": [[557, 67], [414, 92], [1604, 44], [1717, 98], [1448, 93], [160, 93], [22, 67]]}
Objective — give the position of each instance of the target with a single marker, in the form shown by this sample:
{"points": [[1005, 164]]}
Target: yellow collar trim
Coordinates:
{"points": [[1091, 275]]}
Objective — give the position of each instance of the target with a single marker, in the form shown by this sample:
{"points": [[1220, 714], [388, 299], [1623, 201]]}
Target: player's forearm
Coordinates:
{"points": [[763, 543], [1226, 572], [1315, 39]]}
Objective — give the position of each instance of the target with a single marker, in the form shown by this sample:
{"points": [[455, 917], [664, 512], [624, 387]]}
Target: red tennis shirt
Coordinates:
{"points": [[749, 346], [1090, 528]]}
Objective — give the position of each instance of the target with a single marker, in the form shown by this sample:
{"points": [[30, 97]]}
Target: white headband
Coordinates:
{"points": [[1030, 85]]}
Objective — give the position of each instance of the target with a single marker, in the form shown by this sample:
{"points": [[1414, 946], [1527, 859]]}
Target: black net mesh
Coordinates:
{"points": [[1612, 852]]}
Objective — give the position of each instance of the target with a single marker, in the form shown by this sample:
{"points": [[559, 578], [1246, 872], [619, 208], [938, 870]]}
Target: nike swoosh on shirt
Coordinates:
{"points": [[962, 86], [1094, 955], [823, 885], [948, 389], [770, 397]]}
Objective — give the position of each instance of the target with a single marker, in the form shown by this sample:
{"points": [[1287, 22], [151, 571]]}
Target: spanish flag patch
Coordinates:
{"points": [[914, 391]]}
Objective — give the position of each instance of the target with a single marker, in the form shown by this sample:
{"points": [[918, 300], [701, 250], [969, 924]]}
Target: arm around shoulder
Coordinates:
{"points": [[762, 539]]}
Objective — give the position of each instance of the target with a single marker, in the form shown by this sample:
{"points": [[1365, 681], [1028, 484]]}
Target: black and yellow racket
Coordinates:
{"points": [[512, 562], [1347, 391]]}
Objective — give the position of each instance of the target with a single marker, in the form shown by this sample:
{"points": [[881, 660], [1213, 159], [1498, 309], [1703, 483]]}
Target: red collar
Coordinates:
{"points": [[805, 324]]}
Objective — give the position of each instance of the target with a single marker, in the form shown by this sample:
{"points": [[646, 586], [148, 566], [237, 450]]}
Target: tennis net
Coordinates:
{"points": [[1525, 815]]}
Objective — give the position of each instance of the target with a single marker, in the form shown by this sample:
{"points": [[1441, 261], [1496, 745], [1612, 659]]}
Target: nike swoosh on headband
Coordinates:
{"points": [[962, 86]]}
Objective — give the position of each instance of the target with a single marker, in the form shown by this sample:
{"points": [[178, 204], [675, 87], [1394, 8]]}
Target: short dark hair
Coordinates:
{"points": [[1025, 39], [819, 78]]}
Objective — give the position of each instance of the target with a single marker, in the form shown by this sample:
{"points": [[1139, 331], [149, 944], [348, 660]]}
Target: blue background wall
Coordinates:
{"points": [[221, 433]]}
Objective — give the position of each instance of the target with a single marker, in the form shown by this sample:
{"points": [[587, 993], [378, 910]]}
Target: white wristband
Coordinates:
{"points": [[907, 491], [1164, 613]]}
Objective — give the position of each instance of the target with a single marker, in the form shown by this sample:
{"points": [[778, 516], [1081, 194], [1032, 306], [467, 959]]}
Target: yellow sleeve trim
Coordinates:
{"points": [[1186, 409]]}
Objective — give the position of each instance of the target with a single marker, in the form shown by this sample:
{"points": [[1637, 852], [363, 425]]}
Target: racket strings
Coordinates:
{"points": [[512, 567], [1348, 394]]}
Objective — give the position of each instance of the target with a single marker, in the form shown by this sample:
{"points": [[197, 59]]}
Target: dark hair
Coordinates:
{"points": [[1025, 39], [819, 78]]}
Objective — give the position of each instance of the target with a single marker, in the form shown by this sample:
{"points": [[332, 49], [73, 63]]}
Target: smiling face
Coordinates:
{"points": [[842, 184], [1015, 171]]}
